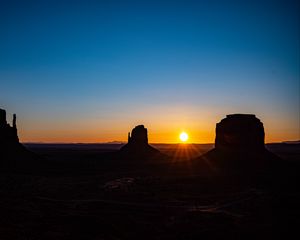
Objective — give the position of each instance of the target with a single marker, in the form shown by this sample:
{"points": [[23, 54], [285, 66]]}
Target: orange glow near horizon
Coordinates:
{"points": [[100, 136], [80, 137], [88, 136], [162, 128]]}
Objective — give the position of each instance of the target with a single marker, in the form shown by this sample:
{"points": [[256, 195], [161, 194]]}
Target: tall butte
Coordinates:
{"points": [[137, 145], [240, 146], [8, 134], [240, 133], [11, 150]]}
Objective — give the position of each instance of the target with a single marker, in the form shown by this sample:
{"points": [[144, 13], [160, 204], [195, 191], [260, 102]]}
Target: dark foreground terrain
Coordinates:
{"points": [[82, 192]]}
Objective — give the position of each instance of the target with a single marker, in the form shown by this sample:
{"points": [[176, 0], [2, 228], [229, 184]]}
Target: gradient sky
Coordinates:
{"points": [[86, 71]]}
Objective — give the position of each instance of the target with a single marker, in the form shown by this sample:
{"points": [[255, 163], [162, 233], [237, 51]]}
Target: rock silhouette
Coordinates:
{"points": [[240, 147], [8, 134], [137, 145], [240, 132], [11, 150], [139, 135]]}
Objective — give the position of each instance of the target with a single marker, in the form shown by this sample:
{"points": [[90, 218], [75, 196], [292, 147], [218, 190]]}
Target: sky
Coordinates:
{"points": [[89, 71]]}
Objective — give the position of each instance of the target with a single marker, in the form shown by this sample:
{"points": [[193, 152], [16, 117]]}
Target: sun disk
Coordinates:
{"points": [[183, 136]]}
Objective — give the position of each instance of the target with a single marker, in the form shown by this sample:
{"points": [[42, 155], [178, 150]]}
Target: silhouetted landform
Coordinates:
{"points": [[292, 142], [240, 132], [138, 146], [11, 150], [8, 134], [240, 147], [80, 192]]}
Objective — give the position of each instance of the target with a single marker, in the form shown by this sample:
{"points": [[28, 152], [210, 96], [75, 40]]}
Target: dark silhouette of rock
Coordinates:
{"points": [[137, 145], [139, 135], [8, 134], [11, 150], [240, 147], [2, 117], [240, 132]]}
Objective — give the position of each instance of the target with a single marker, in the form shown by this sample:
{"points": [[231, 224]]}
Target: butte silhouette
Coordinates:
{"points": [[240, 147], [137, 146], [11, 150]]}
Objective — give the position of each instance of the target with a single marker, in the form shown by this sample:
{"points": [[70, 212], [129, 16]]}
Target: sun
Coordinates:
{"points": [[183, 136]]}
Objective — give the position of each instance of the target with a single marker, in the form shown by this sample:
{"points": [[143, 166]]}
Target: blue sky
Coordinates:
{"points": [[114, 64]]}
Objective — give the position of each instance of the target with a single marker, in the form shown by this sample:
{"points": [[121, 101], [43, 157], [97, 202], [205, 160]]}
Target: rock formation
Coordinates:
{"points": [[137, 145], [11, 150], [239, 146], [240, 132], [139, 135], [8, 134]]}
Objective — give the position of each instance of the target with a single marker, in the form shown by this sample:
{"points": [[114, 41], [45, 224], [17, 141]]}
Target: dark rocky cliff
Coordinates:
{"points": [[240, 147], [8, 134], [137, 145], [12, 152], [240, 132]]}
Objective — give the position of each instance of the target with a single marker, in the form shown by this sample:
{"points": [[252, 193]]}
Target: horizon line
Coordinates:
{"points": [[123, 142]]}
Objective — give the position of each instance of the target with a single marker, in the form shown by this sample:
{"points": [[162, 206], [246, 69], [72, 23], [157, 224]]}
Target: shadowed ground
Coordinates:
{"points": [[96, 198], [235, 190]]}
